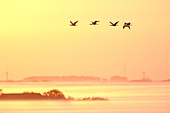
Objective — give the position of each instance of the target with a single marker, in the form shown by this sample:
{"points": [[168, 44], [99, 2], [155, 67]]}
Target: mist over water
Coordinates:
{"points": [[123, 98]]}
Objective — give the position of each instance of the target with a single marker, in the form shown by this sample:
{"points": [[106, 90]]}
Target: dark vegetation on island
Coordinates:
{"points": [[49, 95]]}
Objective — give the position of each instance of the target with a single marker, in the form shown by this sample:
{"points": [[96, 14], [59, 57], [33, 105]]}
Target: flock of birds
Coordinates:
{"points": [[126, 24]]}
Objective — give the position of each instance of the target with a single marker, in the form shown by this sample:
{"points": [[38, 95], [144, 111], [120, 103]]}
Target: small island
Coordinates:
{"points": [[50, 95]]}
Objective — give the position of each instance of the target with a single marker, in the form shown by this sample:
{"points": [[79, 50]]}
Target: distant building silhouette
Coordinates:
{"points": [[144, 79], [168, 80], [118, 79]]}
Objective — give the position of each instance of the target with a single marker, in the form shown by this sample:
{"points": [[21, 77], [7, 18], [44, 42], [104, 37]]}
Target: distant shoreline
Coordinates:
{"points": [[113, 79]]}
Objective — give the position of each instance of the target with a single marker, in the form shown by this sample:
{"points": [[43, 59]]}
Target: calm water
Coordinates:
{"points": [[123, 98]]}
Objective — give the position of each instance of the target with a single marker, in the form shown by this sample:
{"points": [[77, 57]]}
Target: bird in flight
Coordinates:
{"points": [[114, 24], [127, 25], [73, 23], [94, 22]]}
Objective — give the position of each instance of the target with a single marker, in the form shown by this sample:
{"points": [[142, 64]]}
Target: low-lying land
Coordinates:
{"points": [[50, 95]]}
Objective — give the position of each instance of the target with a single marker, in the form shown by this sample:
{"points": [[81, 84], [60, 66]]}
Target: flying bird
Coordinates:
{"points": [[114, 24], [94, 22], [127, 25], [73, 23]]}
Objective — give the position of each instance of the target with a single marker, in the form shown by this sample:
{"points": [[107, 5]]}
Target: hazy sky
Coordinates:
{"points": [[36, 39]]}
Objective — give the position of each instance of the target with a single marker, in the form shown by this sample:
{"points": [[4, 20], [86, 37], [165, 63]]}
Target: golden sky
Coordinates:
{"points": [[36, 39]]}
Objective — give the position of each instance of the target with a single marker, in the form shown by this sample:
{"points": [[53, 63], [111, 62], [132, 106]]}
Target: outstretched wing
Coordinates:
{"points": [[116, 22], [71, 22], [111, 23], [96, 21], [75, 22], [128, 24]]}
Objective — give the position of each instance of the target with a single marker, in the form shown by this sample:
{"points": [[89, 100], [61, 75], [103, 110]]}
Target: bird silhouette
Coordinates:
{"points": [[114, 24], [73, 23], [94, 22], [127, 25]]}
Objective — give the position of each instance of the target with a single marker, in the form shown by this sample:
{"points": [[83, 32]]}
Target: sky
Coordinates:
{"points": [[36, 39]]}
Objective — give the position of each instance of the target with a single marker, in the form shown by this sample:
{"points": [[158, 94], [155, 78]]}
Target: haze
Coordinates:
{"points": [[36, 39]]}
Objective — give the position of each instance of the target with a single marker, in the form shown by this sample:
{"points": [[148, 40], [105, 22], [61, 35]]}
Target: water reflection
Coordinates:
{"points": [[123, 98]]}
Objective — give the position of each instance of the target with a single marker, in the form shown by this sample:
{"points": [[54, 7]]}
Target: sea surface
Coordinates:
{"points": [[123, 98]]}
